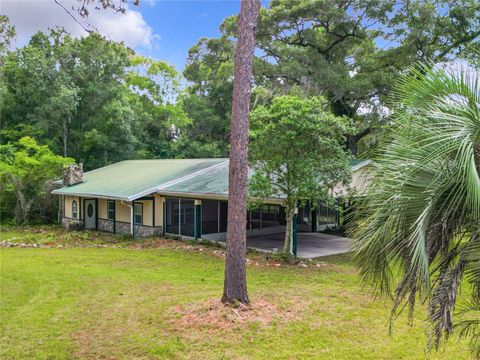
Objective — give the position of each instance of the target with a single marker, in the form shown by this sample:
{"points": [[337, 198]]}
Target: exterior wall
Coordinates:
{"points": [[72, 224], [158, 210], [122, 227], [105, 225], [68, 207], [102, 209], [122, 212], [142, 231], [362, 178], [147, 211], [122, 217]]}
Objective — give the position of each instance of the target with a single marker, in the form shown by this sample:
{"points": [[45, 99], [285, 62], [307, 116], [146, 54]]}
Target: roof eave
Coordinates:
{"points": [[59, 192]]}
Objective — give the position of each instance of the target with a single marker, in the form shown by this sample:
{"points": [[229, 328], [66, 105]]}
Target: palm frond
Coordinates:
{"points": [[413, 228]]}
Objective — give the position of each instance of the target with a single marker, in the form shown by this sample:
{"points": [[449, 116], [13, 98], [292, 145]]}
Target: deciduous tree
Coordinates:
{"points": [[297, 153], [92, 99], [26, 173], [351, 52]]}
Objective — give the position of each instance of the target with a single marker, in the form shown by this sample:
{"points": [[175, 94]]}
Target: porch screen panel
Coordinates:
{"points": [[271, 216], [209, 216], [282, 215], [187, 217], [304, 216], [172, 209], [256, 218], [326, 215], [223, 213]]}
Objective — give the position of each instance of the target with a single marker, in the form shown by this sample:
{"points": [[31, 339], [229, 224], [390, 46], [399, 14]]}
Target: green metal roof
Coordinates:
{"points": [[132, 179], [213, 181], [359, 163]]}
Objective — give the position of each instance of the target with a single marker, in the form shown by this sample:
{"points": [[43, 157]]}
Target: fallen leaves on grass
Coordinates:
{"points": [[214, 315]]}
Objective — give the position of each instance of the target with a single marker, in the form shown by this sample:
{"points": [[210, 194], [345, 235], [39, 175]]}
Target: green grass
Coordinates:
{"points": [[124, 303]]}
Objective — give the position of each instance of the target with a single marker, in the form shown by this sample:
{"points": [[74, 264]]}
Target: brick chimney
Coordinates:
{"points": [[73, 174]]}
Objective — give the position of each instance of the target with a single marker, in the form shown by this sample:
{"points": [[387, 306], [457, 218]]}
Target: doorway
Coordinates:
{"points": [[90, 207]]}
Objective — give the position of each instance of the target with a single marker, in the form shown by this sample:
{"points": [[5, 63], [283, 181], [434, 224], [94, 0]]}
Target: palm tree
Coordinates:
{"points": [[417, 228]]}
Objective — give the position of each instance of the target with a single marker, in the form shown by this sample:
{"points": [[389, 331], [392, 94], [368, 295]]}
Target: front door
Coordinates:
{"points": [[90, 214]]}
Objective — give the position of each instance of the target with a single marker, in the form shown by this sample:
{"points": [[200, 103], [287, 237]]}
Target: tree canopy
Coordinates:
{"points": [[297, 153], [26, 172], [348, 51], [89, 98]]}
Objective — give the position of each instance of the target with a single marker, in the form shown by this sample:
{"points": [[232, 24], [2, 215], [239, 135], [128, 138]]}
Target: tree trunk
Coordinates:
{"points": [[235, 285], [287, 247], [352, 140], [65, 137]]}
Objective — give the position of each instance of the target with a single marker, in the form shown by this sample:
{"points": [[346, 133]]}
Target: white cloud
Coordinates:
{"points": [[30, 16]]}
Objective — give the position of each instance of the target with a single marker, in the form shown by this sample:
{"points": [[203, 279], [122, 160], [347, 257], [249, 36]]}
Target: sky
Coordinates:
{"points": [[160, 29]]}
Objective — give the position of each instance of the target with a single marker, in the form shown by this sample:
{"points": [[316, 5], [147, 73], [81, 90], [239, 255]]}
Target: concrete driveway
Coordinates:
{"points": [[310, 245]]}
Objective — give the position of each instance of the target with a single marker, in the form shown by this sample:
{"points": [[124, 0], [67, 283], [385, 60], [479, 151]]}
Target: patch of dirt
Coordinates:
{"points": [[214, 315]]}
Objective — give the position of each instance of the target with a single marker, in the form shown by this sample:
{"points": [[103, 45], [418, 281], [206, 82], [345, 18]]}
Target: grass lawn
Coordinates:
{"points": [[161, 301]]}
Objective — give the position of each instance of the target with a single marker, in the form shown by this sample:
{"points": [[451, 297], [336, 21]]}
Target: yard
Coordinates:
{"points": [[90, 295]]}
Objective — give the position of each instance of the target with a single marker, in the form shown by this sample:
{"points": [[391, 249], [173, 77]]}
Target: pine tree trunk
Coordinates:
{"points": [[235, 285], [65, 137]]}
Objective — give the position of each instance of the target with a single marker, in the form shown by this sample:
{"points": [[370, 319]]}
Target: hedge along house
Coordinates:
{"points": [[184, 197]]}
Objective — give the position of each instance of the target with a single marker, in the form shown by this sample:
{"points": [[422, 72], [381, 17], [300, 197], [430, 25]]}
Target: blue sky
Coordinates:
{"points": [[157, 28], [180, 24]]}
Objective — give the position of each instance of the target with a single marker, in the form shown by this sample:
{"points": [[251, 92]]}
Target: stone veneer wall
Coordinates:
{"points": [[105, 225], [142, 231], [120, 227], [72, 224]]}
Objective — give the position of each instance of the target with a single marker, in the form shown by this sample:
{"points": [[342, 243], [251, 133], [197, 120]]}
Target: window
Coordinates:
{"points": [[74, 209], [111, 210], [138, 213]]}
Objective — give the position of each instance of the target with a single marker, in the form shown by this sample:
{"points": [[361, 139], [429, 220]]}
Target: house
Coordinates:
{"points": [[184, 197]]}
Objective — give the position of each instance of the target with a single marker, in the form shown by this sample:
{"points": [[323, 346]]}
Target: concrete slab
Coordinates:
{"points": [[310, 245]]}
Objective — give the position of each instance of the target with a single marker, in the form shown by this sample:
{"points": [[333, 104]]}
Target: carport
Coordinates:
{"points": [[309, 245]]}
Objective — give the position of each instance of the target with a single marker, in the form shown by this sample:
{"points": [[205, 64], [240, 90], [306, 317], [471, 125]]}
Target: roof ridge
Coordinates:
{"points": [[175, 159], [190, 176], [176, 181]]}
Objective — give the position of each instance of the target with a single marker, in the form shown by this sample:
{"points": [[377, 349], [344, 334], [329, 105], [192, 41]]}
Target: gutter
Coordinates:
{"points": [[212, 196], [57, 192], [132, 225]]}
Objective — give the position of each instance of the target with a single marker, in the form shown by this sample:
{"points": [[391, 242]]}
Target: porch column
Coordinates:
{"points": [[164, 205], [313, 219], [197, 221], [114, 216], [294, 233]]}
